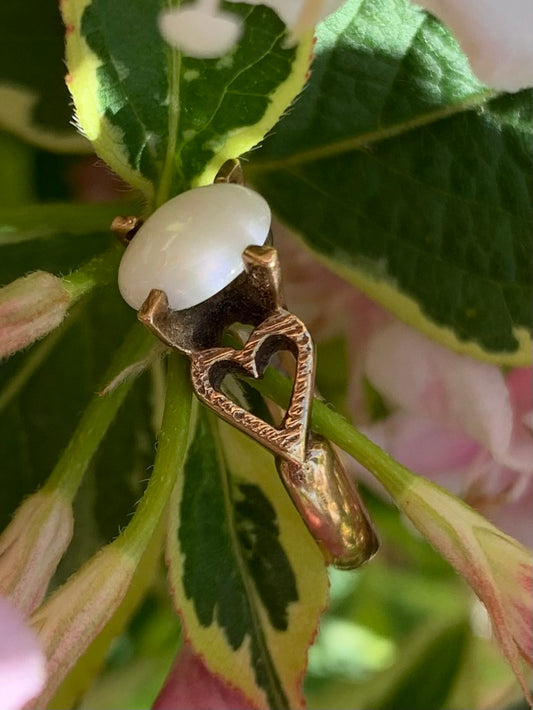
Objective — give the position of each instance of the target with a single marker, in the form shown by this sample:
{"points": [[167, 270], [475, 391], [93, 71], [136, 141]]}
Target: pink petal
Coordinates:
{"points": [[425, 378], [31, 547], [328, 304], [330, 307], [495, 35], [425, 447], [22, 663], [520, 385], [520, 453], [191, 686]]}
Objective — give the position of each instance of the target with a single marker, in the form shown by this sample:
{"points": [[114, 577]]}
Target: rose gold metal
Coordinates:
{"points": [[280, 331], [328, 501], [312, 473], [125, 228], [253, 298], [250, 298]]}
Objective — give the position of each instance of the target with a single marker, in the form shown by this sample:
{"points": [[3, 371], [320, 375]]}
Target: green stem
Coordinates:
{"points": [[36, 221], [325, 421], [171, 449], [101, 270], [95, 421]]}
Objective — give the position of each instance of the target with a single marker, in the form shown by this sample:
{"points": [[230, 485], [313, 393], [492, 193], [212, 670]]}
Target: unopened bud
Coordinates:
{"points": [[31, 547], [30, 307], [76, 613]]}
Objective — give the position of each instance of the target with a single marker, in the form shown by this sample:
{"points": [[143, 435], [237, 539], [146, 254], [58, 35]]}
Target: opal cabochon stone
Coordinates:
{"points": [[191, 247]]}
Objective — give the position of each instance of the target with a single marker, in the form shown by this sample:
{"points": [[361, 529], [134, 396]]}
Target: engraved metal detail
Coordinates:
{"points": [[280, 331]]}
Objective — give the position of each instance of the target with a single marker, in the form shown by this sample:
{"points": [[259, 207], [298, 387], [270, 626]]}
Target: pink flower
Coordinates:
{"points": [[191, 686], [22, 664], [330, 307], [455, 420]]}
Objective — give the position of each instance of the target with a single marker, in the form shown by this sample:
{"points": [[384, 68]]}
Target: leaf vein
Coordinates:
{"points": [[364, 140]]}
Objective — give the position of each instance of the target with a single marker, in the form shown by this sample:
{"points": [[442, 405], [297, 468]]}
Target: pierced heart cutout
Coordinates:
{"points": [[280, 331]]}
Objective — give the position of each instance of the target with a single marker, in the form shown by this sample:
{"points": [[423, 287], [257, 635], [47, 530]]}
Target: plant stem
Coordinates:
{"points": [[101, 270], [36, 221], [171, 450], [333, 426], [95, 421]]}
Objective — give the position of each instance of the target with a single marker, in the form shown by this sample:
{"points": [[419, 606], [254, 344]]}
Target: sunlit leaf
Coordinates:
{"points": [[411, 179], [165, 121], [248, 579]]}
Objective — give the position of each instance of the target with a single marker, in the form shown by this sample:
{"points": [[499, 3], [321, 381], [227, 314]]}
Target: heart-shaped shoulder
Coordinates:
{"points": [[280, 331]]}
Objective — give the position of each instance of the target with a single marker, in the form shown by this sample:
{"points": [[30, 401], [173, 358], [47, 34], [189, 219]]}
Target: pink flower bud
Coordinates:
{"points": [[30, 307], [497, 567], [77, 612], [455, 420], [22, 667], [190, 684], [31, 547]]}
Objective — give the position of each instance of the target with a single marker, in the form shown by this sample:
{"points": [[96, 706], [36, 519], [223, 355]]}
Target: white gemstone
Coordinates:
{"points": [[191, 247]]}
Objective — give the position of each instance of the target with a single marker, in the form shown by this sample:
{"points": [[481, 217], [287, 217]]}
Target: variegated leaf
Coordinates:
{"points": [[410, 179], [165, 121], [248, 579]]}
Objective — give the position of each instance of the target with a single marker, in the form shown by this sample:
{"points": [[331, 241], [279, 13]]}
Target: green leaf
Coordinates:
{"points": [[55, 237], [34, 101], [166, 122], [428, 667], [248, 579], [410, 179]]}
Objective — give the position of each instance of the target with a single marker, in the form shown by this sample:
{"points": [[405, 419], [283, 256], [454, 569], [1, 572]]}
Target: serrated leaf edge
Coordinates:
{"points": [[83, 84], [243, 139], [202, 638]]}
